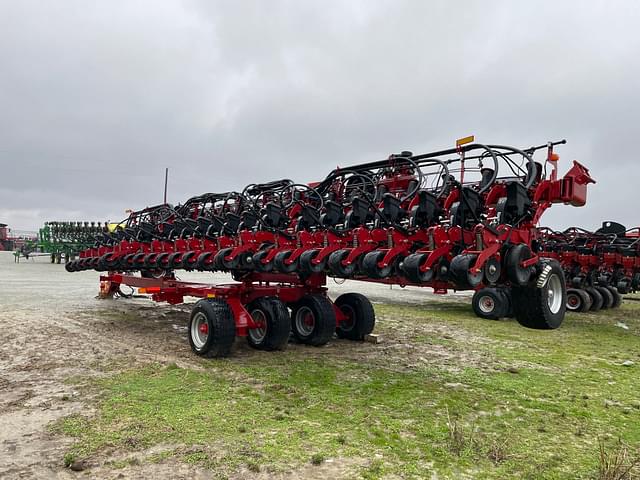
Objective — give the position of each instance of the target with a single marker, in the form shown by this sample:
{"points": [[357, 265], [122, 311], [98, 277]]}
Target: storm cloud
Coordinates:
{"points": [[97, 98]]}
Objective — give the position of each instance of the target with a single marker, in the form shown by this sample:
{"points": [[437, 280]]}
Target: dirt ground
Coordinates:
{"points": [[54, 329]]}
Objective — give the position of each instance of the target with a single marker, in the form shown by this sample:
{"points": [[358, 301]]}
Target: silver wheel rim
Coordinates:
{"points": [[305, 321], [257, 335], [486, 304], [199, 330], [554, 293], [348, 324]]}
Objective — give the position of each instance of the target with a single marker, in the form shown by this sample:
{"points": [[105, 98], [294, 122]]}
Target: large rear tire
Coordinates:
{"points": [[542, 305]]}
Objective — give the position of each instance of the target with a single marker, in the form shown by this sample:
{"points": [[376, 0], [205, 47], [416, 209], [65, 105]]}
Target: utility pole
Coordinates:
{"points": [[166, 179]]}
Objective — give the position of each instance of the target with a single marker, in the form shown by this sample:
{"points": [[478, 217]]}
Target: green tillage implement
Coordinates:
{"points": [[63, 240]]}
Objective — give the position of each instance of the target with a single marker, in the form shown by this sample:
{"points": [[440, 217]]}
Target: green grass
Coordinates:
{"points": [[279, 411]]}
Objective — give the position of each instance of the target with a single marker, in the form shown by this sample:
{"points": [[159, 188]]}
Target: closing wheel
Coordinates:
{"points": [[371, 268], [306, 262], [212, 328], [489, 303], [596, 299], [275, 324], [617, 298], [361, 318], [410, 267], [279, 262], [313, 320], [607, 297], [460, 271], [258, 264], [578, 300], [543, 304], [161, 261], [515, 272], [336, 266]]}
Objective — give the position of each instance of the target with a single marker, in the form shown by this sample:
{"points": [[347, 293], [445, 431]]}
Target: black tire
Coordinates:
{"points": [[188, 260], [517, 254], [617, 298], [542, 306], [257, 262], [222, 264], [275, 315], [489, 303], [220, 328], [370, 265], [306, 262], [281, 266], [506, 293], [410, 267], [596, 299], [578, 300], [336, 267], [205, 261], [161, 260], [313, 320], [361, 316], [460, 274], [607, 297]]}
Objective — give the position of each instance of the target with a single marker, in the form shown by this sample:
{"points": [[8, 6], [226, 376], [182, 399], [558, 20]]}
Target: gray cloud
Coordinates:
{"points": [[96, 98]]}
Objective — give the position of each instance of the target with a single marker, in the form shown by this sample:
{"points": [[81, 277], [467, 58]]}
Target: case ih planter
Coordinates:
{"points": [[464, 219]]}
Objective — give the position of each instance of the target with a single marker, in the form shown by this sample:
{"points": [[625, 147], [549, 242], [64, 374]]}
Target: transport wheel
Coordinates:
{"points": [[543, 304], [506, 293], [578, 300], [274, 316], [489, 303], [596, 299], [212, 328], [337, 268], [313, 320], [281, 266], [617, 298], [306, 264], [459, 271], [515, 256], [370, 265], [607, 298], [361, 318], [259, 265], [410, 266]]}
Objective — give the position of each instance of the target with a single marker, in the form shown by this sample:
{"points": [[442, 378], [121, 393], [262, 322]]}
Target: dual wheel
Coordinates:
{"points": [[492, 303], [312, 321], [592, 299]]}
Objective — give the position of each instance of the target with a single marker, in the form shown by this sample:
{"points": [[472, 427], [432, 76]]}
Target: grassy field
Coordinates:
{"points": [[445, 395]]}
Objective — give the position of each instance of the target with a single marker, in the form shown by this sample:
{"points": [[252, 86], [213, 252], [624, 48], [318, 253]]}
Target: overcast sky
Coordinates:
{"points": [[97, 98]]}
